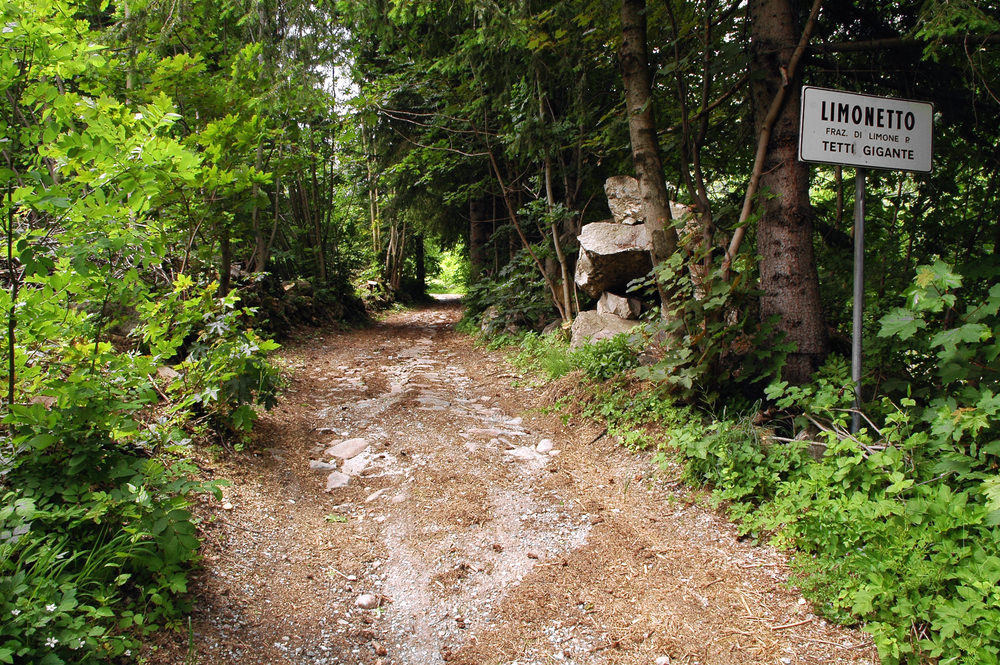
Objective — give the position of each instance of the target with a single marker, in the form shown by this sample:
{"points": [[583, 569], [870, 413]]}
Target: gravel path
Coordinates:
{"points": [[407, 504]]}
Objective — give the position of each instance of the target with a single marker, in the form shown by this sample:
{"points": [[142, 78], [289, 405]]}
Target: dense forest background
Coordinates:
{"points": [[182, 180]]}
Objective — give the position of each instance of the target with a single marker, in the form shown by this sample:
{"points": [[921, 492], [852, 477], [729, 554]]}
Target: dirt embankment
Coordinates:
{"points": [[471, 530]]}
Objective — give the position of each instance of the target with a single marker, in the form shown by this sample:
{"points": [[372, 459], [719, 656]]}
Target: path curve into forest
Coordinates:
{"points": [[474, 547]]}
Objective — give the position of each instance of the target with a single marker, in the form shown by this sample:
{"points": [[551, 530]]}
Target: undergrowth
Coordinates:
{"points": [[96, 534]]}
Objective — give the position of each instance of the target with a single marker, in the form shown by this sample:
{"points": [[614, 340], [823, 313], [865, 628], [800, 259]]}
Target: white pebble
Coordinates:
{"points": [[366, 601]]}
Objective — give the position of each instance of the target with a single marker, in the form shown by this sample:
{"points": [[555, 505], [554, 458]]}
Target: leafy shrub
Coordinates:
{"points": [[530, 350], [85, 571], [744, 468], [96, 536], [518, 295], [637, 416], [599, 361], [899, 524], [607, 358], [713, 345], [224, 372]]}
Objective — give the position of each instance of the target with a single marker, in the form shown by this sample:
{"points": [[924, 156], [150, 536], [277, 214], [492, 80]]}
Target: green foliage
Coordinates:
{"points": [[448, 270], [730, 455], [96, 535], [899, 525], [599, 361], [224, 373], [713, 344], [92, 557], [516, 298], [637, 419], [531, 351], [607, 358]]}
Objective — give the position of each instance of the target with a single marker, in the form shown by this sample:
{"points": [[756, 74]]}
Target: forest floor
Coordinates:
{"points": [[466, 543]]}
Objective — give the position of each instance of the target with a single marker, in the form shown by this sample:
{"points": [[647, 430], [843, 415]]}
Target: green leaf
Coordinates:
{"points": [[966, 334], [902, 323]]}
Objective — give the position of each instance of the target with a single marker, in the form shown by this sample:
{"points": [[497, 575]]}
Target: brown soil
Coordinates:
{"points": [[476, 548]]}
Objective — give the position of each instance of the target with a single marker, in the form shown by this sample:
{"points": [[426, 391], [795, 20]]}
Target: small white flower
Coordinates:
{"points": [[51, 642], [15, 611], [128, 652], [51, 607], [76, 645]]}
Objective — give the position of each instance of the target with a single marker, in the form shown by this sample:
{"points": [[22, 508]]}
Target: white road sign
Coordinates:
{"points": [[863, 130]]}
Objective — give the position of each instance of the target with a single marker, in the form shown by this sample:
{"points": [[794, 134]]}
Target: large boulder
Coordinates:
{"points": [[624, 200], [589, 327], [626, 203], [626, 308], [611, 256]]}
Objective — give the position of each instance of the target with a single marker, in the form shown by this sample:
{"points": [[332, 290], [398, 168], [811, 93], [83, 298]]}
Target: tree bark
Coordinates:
{"points": [[550, 203], [421, 261], [788, 276], [642, 133], [260, 249], [225, 260]]}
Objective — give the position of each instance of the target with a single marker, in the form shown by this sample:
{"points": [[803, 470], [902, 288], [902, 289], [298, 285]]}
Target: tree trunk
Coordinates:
{"points": [[642, 132], [225, 260], [372, 183], [420, 258], [788, 277], [310, 219], [550, 203], [260, 247]]}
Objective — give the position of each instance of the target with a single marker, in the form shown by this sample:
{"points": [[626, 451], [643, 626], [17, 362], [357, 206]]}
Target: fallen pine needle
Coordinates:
{"points": [[743, 598], [733, 631], [791, 625]]}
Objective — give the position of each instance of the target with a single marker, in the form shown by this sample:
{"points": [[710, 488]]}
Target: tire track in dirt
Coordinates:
{"points": [[477, 548]]}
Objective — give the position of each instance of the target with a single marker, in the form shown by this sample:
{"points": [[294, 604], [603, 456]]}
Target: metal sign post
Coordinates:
{"points": [[863, 131], [859, 293]]}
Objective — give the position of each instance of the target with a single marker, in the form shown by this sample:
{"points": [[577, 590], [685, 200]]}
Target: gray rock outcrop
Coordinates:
{"points": [[626, 308], [593, 326], [611, 256], [624, 200]]}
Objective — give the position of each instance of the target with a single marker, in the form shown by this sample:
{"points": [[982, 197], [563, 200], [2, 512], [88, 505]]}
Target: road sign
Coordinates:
{"points": [[863, 131], [847, 128]]}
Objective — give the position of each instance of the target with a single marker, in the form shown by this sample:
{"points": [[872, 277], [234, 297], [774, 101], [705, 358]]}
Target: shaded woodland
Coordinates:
{"points": [[182, 181]]}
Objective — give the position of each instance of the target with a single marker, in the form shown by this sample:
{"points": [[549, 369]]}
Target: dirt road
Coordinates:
{"points": [[472, 530]]}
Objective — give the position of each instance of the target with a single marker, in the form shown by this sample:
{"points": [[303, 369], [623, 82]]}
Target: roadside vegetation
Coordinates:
{"points": [[897, 527]]}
